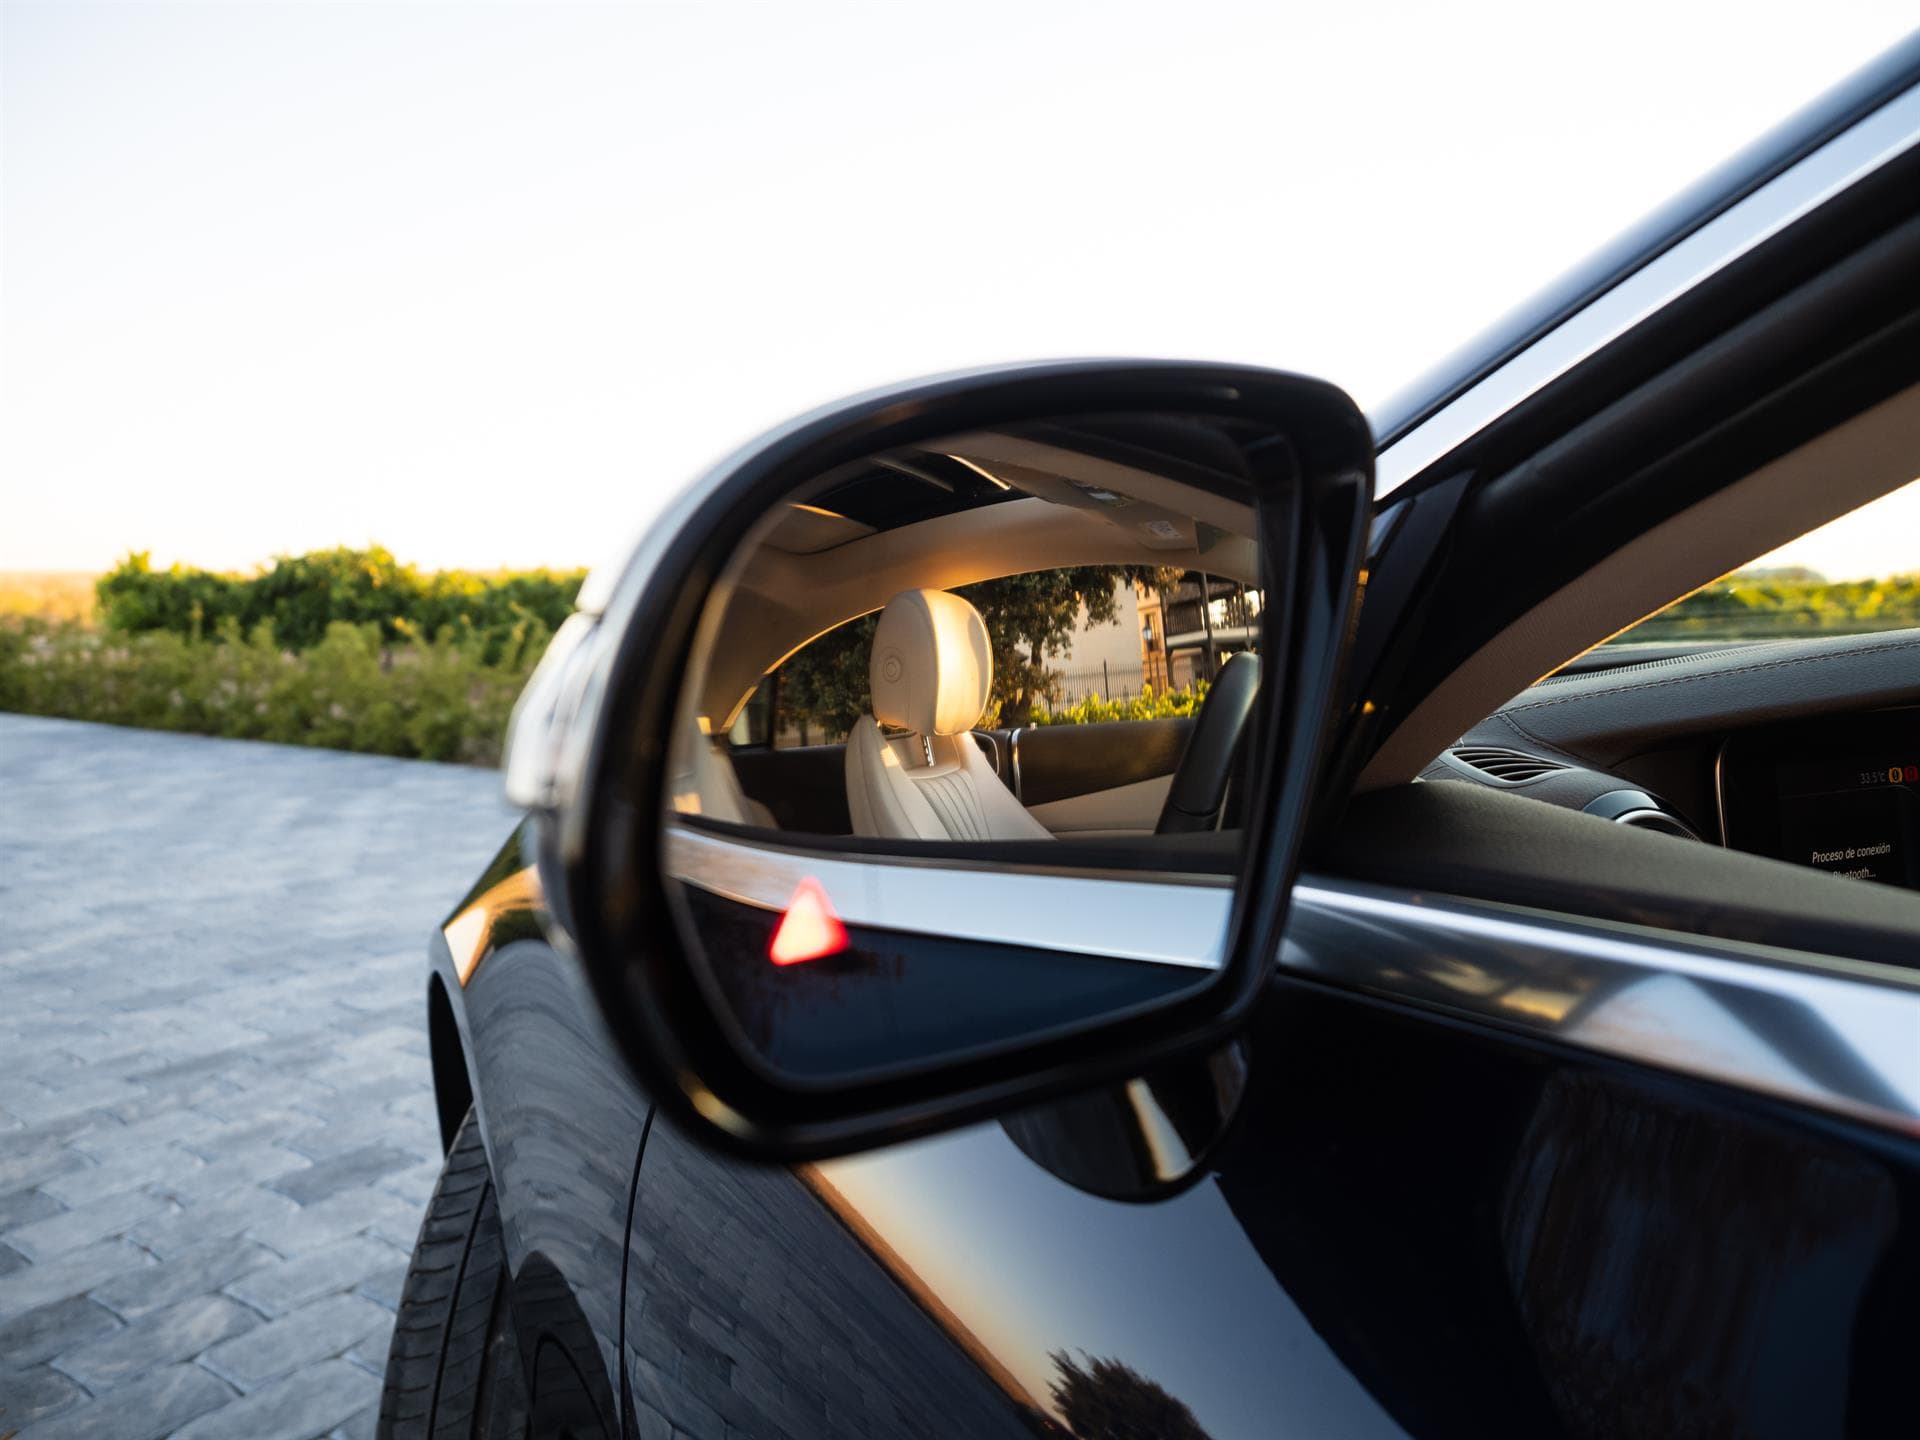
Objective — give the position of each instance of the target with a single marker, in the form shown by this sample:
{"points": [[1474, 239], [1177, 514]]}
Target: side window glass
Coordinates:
{"points": [[1081, 645], [1852, 576]]}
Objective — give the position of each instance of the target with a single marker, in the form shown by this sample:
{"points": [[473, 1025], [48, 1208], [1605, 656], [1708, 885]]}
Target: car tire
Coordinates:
{"points": [[454, 1367]]}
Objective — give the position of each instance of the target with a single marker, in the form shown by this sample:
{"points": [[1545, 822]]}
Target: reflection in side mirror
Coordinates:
{"points": [[889, 879], [898, 606]]}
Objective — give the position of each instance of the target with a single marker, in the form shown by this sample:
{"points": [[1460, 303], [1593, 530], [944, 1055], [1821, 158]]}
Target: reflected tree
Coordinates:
{"points": [[1030, 619], [1107, 1400]]}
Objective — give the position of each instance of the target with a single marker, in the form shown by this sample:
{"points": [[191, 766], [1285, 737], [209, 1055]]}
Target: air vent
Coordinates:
{"points": [[1655, 820], [1510, 767]]}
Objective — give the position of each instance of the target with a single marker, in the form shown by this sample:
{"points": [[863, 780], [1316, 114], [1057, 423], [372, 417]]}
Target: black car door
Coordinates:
{"points": [[1421, 1221], [1637, 1156]]}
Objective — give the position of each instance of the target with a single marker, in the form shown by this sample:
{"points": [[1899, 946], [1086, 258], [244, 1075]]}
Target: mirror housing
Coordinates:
{"points": [[591, 745]]}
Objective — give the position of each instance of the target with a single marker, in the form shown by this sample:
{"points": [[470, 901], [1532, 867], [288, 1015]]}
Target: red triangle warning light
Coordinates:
{"points": [[809, 930]]}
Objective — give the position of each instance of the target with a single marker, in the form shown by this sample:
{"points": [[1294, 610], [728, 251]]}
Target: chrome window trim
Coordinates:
{"points": [[1837, 1035], [1833, 1034], [1165, 919], [1854, 153]]}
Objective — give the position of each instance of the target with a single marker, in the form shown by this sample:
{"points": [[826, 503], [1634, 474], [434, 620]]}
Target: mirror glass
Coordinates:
{"points": [[960, 758]]}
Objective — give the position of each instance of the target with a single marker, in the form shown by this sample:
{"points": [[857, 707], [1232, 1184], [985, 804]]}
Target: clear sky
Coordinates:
{"points": [[485, 284]]}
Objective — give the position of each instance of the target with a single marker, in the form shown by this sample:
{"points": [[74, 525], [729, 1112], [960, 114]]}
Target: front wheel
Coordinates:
{"points": [[453, 1371]]}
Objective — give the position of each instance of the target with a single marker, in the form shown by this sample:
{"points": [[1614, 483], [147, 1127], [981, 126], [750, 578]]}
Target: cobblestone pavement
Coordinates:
{"points": [[216, 1122]]}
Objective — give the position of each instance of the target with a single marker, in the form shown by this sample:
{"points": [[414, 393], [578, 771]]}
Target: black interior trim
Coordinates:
{"points": [[1058, 762], [805, 786], [1660, 724], [1477, 843], [1605, 718], [1212, 852]]}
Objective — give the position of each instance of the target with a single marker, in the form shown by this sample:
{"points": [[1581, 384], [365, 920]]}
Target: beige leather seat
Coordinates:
{"points": [[704, 783], [931, 671]]}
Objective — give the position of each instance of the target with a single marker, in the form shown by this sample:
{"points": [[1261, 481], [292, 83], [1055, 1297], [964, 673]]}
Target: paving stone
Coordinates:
{"points": [[191, 1069], [197, 1270], [179, 1124], [155, 1405], [415, 1183], [122, 1167], [178, 1332], [276, 1289], [347, 1213], [55, 1327], [170, 1102], [190, 1018], [385, 1285], [71, 1274], [84, 1224], [370, 1354], [264, 1124], [308, 1403], [58, 1103], [222, 1217], [319, 1331], [343, 1133], [356, 1167], [32, 1394], [360, 1427], [231, 1171], [22, 1165]]}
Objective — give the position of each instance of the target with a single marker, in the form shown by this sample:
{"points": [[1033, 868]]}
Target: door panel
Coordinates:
{"points": [[1057, 762], [927, 1290], [1415, 1224], [1124, 810], [804, 786], [752, 1309], [562, 1121]]}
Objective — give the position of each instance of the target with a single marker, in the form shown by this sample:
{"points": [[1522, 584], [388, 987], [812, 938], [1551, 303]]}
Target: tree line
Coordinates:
{"points": [[1030, 619], [299, 596], [1780, 605]]}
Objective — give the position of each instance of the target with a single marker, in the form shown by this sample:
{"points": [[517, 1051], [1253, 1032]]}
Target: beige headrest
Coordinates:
{"points": [[932, 666]]}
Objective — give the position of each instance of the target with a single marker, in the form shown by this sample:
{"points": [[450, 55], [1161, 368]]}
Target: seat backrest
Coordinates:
{"points": [[703, 782], [931, 673]]}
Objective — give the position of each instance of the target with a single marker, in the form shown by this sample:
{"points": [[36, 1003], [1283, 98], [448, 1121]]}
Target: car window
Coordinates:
{"points": [[1852, 576], [1077, 645]]}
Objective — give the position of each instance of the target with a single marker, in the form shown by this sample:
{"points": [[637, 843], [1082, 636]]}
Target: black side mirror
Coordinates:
{"points": [[920, 949]]}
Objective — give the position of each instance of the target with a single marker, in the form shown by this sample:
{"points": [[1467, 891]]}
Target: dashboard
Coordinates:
{"points": [[1806, 751], [1840, 795]]}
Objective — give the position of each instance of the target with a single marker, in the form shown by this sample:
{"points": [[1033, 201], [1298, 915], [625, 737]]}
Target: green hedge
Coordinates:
{"points": [[300, 596], [1763, 607], [447, 698], [1150, 705]]}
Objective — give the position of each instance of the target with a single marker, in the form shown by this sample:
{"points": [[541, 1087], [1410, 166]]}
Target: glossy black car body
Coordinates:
{"points": [[1463, 1195]]}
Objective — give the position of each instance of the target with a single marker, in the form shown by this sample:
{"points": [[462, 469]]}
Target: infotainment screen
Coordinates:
{"points": [[1840, 795]]}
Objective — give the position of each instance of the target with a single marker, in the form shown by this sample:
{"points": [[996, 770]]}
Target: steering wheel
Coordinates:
{"points": [[1199, 790]]}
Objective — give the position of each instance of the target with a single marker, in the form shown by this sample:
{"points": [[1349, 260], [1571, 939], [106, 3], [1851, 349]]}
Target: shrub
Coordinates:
{"points": [[300, 596], [435, 699], [1150, 704]]}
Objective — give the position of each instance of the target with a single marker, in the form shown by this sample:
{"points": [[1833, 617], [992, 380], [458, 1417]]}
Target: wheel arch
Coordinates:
{"points": [[452, 1088]]}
